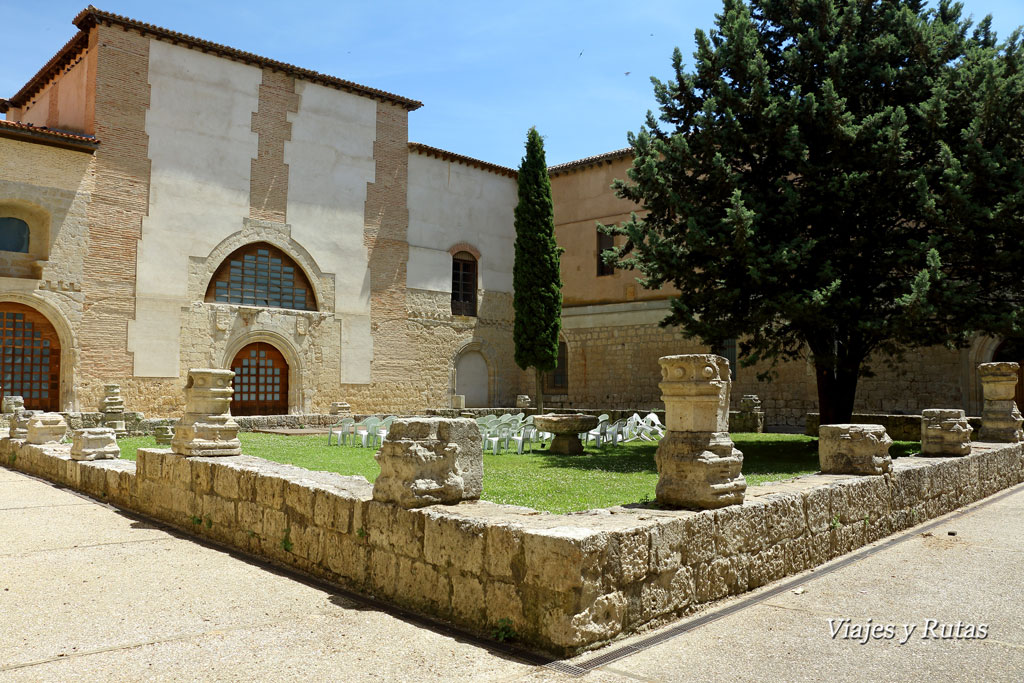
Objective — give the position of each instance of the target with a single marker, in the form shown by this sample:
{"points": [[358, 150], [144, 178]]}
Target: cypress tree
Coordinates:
{"points": [[535, 273], [835, 177]]}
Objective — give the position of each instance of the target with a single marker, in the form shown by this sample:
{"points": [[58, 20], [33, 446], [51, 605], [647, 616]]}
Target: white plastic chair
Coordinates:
{"points": [[364, 432], [340, 430], [524, 436]]}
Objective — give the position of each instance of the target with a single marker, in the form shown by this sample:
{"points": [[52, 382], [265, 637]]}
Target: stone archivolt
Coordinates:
{"points": [[698, 465]]}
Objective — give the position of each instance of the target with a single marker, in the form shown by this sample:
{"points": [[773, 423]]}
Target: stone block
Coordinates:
{"points": [[854, 449], [1000, 419], [452, 541], [96, 443], [18, 423], [46, 428], [695, 389], [13, 404], [699, 470], [207, 428], [425, 461], [945, 432], [458, 402], [522, 401], [340, 408], [163, 434]]}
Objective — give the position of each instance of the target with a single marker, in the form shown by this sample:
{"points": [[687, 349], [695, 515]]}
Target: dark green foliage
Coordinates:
{"points": [[839, 176], [535, 275]]}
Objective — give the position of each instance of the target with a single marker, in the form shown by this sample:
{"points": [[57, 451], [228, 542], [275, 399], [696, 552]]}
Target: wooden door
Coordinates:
{"points": [[29, 357], [261, 381]]}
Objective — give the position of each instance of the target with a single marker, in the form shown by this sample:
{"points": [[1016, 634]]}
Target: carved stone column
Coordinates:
{"points": [[854, 449], [945, 432], [112, 407], [207, 427], [698, 466], [1000, 419], [95, 443]]}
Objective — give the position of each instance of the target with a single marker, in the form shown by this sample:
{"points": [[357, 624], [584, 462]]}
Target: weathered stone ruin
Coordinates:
{"points": [[207, 429], [750, 417], [430, 460], [341, 408], [163, 435], [46, 428], [112, 407], [18, 423], [1000, 418], [945, 432], [854, 449], [698, 465], [94, 443], [13, 404]]}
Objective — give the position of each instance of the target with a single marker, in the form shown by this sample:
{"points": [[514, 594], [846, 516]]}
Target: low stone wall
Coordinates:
{"points": [[898, 427], [565, 582]]}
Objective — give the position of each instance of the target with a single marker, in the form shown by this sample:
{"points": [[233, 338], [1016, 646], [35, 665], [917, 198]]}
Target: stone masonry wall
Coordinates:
{"points": [[565, 582]]}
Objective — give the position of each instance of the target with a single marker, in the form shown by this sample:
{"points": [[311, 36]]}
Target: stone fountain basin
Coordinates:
{"points": [[565, 424]]}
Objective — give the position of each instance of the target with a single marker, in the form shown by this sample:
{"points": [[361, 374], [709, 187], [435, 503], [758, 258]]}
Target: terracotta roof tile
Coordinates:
{"points": [[47, 136], [90, 16], [591, 161], [427, 150]]}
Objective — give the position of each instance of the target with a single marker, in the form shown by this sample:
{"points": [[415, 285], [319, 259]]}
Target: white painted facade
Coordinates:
{"points": [[330, 161], [201, 146], [452, 202]]}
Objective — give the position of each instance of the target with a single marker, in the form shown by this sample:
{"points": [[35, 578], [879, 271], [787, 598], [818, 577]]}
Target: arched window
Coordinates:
{"points": [[13, 234], [463, 284], [260, 274]]}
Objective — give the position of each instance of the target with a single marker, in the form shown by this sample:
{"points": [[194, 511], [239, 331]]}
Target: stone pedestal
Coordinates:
{"points": [[341, 408], [750, 417], [163, 435], [698, 465], [567, 430], [854, 449], [522, 401], [112, 407], [430, 460], [18, 423], [458, 402], [1000, 420], [945, 432], [13, 404], [95, 443], [46, 428], [207, 429]]}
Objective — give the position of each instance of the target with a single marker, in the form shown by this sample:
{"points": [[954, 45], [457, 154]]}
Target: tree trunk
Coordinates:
{"points": [[540, 390], [837, 389]]}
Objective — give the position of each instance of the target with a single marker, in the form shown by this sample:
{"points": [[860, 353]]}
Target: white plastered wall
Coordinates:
{"points": [[330, 161], [451, 202], [200, 146]]}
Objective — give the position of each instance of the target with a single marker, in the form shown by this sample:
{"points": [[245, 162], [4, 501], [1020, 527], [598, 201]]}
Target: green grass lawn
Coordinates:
{"points": [[556, 483]]}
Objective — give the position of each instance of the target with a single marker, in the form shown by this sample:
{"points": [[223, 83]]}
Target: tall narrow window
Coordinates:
{"points": [[604, 242], [463, 284], [260, 274], [557, 381]]}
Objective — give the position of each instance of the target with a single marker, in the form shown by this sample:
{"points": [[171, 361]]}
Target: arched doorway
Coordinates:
{"points": [[1012, 350], [29, 357], [261, 381], [471, 379]]}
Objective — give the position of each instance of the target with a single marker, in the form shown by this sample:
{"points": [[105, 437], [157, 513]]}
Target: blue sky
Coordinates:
{"points": [[485, 71]]}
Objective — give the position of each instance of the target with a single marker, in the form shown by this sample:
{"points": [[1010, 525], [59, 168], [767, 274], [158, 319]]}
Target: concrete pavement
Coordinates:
{"points": [[89, 593]]}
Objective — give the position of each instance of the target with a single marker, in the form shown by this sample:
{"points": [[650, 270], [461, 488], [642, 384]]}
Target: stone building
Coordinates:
{"points": [[612, 341], [169, 203]]}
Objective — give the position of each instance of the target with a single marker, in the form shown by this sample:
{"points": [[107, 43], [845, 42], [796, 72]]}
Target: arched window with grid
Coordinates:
{"points": [[260, 274]]}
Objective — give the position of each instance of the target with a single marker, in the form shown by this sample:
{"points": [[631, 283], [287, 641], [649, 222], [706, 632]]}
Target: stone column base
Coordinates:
{"points": [[1001, 422], [699, 470]]}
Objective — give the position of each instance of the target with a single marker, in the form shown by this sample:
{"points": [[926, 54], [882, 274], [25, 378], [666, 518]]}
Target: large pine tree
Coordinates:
{"points": [[839, 176], [535, 274]]}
